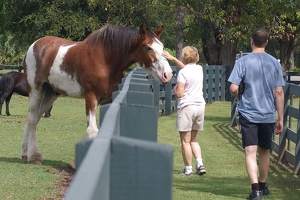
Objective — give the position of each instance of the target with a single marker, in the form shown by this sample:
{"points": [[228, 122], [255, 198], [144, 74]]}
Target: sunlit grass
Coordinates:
{"points": [[56, 138]]}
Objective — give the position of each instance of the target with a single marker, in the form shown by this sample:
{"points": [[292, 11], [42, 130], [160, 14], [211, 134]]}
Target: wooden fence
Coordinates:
{"points": [[287, 144], [292, 77], [124, 160], [12, 67], [214, 88]]}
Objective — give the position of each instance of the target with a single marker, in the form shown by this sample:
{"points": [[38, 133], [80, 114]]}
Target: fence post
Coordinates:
{"points": [[233, 111], [297, 148], [168, 98], [283, 135], [227, 84], [153, 178]]}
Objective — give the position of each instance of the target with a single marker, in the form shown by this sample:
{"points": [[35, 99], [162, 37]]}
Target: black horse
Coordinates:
{"points": [[10, 83]]}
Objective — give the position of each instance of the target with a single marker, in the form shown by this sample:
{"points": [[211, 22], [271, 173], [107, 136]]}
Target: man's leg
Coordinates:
{"points": [[264, 163], [251, 164]]}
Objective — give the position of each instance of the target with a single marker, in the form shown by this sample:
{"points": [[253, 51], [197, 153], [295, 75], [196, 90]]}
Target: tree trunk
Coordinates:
{"points": [[179, 32], [217, 52], [227, 53], [287, 48]]}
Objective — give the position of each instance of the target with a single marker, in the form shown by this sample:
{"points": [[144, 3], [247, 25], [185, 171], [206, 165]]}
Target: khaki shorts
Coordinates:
{"points": [[190, 118]]}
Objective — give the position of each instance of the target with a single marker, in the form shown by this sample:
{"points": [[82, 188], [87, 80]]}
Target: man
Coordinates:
{"points": [[261, 76]]}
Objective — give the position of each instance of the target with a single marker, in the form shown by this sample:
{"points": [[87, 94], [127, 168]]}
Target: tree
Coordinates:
{"points": [[222, 24], [285, 31]]}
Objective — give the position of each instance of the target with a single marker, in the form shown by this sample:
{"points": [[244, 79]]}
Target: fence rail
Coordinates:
{"points": [[11, 67], [292, 77]]}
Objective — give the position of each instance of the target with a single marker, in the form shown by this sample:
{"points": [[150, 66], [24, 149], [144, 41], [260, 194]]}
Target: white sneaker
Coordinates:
{"points": [[201, 170], [187, 172]]}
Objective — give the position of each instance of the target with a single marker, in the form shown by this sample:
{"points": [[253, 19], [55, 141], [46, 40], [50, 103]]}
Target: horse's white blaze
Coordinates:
{"points": [[161, 69], [60, 79], [92, 129], [157, 46]]}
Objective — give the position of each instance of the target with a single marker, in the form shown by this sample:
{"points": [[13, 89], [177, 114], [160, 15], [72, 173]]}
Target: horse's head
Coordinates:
{"points": [[151, 55]]}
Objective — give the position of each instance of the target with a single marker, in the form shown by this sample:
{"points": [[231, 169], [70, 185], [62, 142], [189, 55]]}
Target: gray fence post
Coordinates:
{"points": [[151, 180]]}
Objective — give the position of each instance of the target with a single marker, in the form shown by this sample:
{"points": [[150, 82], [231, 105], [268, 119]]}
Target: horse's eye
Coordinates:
{"points": [[149, 49]]}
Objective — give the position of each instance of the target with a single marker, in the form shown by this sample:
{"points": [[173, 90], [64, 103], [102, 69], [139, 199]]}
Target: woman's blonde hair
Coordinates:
{"points": [[189, 55]]}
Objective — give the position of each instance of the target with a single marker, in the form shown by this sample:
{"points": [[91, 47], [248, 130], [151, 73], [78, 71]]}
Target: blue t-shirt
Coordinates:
{"points": [[261, 74]]}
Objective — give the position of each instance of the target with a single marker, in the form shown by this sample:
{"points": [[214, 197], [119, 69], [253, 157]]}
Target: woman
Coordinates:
{"points": [[191, 107]]}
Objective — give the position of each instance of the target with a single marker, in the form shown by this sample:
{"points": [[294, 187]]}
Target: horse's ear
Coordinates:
{"points": [[142, 31], [158, 31]]}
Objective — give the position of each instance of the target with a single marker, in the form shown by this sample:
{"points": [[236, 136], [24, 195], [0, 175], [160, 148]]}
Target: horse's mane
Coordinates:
{"points": [[116, 39]]}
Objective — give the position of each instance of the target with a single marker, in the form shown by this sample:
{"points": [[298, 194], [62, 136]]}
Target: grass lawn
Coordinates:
{"points": [[56, 138], [226, 177]]}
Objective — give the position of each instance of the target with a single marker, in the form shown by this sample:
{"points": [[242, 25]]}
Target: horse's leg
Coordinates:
{"points": [[1, 104], [48, 97], [48, 112], [39, 102], [30, 152], [91, 104], [4, 97], [7, 100]]}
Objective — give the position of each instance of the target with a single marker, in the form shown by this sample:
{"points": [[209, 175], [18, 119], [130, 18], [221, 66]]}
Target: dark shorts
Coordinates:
{"points": [[256, 133]]}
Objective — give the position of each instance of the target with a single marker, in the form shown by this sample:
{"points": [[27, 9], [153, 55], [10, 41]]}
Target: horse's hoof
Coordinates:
{"points": [[24, 158], [35, 161]]}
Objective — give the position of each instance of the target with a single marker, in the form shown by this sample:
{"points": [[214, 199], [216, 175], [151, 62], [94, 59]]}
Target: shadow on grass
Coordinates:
{"points": [[234, 137], [59, 165]]}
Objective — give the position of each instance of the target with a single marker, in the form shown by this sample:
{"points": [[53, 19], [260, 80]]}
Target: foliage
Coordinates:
{"points": [[296, 69], [10, 50], [26, 21], [218, 28]]}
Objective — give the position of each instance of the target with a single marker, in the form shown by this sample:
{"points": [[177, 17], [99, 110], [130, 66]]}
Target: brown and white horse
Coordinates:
{"points": [[89, 69]]}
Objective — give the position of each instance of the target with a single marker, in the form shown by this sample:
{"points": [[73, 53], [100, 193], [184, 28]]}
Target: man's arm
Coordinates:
{"points": [[279, 95], [234, 89]]}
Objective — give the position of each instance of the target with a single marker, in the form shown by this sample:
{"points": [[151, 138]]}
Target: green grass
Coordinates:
{"points": [[226, 176], [56, 137]]}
